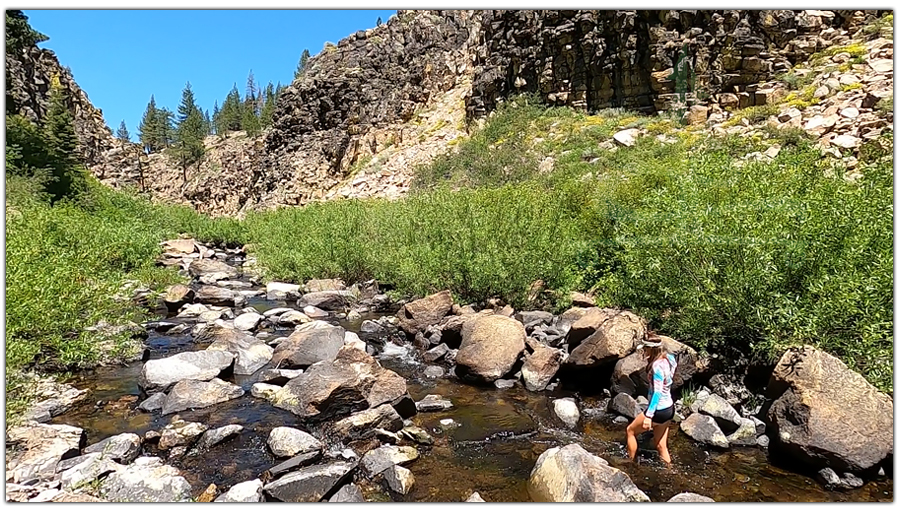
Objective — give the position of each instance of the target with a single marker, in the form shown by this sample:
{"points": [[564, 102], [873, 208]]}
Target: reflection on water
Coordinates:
{"points": [[491, 447]]}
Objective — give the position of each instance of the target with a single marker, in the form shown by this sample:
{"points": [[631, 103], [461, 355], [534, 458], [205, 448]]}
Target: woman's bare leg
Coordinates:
{"points": [[660, 439], [634, 428]]}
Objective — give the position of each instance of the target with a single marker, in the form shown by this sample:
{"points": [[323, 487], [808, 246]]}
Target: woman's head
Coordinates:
{"points": [[652, 346]]}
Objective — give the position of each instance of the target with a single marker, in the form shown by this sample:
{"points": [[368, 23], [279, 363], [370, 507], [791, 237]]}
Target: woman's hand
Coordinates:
{"points": [[648, 423]]}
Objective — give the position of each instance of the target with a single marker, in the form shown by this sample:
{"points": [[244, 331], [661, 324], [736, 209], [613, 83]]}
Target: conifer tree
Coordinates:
{"points": [[19, 34], [268, 109], [190, 131], [67, 176], [148, 131], [378, 23], [207, 123], [122, 134], [214, 122], [249, 115], [301, 66], [166, 133], [231, 112]]}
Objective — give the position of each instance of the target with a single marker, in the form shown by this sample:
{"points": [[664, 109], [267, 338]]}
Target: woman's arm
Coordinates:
{"points": [[658, 380]]}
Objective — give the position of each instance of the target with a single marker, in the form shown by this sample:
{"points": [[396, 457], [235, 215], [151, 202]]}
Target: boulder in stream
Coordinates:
{"points": [[824, 414], [310, 484], [310, 343], [180, 433], [433, 403], [147, 480], [278, 377], [704, 429], [216, 436], [491, 345], [572, 474], [361, 425], [726, 417], [378, 460], [197, 394], [177, 296], [328, 299], [247, 321], [418, 315], [250, 353], [276, 291], [617, 333], [123, 448], [541, 366], [246, 492], [349, 493], [287, 441], [690, 497], [159, 375], [567, 411], [35, 449], [91, 467], [399, 479], [213, 295], [624, 405], [205, 267]]}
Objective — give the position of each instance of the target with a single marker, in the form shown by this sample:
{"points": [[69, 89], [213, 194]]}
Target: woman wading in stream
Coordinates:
{"points": [[660, 371]]}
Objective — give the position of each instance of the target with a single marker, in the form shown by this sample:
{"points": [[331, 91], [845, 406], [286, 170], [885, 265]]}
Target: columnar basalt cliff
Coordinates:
{"points": [[381, 101]]}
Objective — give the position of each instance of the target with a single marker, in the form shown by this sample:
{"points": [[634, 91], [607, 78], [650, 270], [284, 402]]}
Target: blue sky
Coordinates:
{"points": [[122, 57]]}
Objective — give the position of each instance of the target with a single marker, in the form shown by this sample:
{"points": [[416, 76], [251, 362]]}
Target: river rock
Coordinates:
{"points": [[278, 377], [728, 419], [264, 391], [851, 481], [246, 492], [372, 327], [293, 318], [324, 285], [417, 434], [567, 411], [205, 267], [353, 381], [630, 373], [249, 352], [181, 247], [436, 353], [276, 291], [399, 479], [530, 319], [418, 315], [378, 460], [62, 398], [92, 466], [147, 480], [361, 425], [475, 497], [123, 448], [824, 414], [491, 344], [298, 461], [541, 366], [349, 493], [624, 405], [829, 478], [180, 432], [35, 449], [617, 333], [433, 403], [704, 429], [690, 497], [197, 394], [314, 312], [310, 484], [213, 295], [216, 436], [309, 343], [160, 374], [572, 474], [177, 296], [328, 299], [287, 441], [247, 321], [433, 372], [583, 322], [501, 383], [745, 435], [192, 311]]}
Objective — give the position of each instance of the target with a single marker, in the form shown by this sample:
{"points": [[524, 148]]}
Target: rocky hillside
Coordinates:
{"points": [[381, 101]]}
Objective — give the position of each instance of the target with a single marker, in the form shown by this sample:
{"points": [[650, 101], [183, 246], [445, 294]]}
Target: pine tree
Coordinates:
{"points": [[19, 33], [249, 115], [268, 109], [166, 133], [122, 134], [230, 115], [207, 123], [148, 132], [67, 175], [378, 23], [214, 122], [190, 131], [301, 66]]}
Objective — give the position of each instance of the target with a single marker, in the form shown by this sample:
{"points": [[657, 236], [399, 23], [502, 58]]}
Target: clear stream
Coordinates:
{"points": [[491, 448]]}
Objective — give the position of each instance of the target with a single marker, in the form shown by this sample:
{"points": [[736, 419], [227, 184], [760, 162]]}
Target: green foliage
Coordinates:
{"points": [[191, 129], [885, 106], [301, 66], [19, 34], [230, 115], [122, 132], [878, 25], [157, 128], [795, 82]]}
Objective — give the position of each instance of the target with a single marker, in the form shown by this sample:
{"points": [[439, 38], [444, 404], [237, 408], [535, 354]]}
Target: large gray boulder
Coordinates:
{"points": [[349, 493], [541, 366], [38, 449], [89, 468], [728, 419], [328, 299], [180, 433], [177, 296], [197, 394], [572, 474], [418, 315], [123, 448], [246, 492], [616, 334], [704, 429], [282, 291], [213, 437], [624, 405], [250, 353], [287, 441], [147, 480], [362, 425], [690, 497], [310, 484], [567, 411], [824, 414], [378, 460], [159, 375], [491, 345], [309, 343], [352, 382], [204, 267], [213, 295]]}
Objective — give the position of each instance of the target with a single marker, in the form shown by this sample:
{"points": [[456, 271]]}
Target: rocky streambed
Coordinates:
{"points": [[324, 392]]}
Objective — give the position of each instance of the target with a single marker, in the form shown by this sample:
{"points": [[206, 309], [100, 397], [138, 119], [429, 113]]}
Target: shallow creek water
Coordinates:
{"points": [[491, 447]]}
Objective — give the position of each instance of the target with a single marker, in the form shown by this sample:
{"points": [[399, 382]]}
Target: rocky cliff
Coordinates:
{"points": [[381, 101]]}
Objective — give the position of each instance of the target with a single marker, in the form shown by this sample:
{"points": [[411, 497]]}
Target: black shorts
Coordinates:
{"points": [[662, 416]]}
